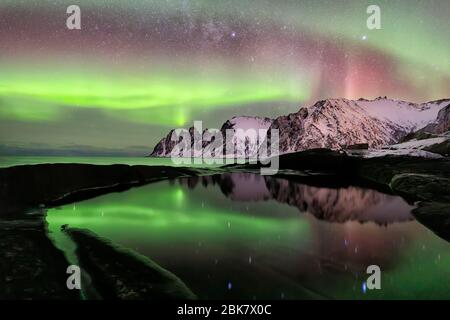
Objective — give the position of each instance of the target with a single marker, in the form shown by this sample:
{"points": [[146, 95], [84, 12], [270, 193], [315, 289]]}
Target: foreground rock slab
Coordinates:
{"points": [[119, 273], [30, 265], [29, 186]]}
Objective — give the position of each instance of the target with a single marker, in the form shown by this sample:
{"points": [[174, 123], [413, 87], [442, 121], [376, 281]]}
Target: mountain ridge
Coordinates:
{"points": [[334, 123]]}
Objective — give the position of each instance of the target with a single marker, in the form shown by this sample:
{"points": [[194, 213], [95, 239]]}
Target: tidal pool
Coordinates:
{"points": [[241, 235]]}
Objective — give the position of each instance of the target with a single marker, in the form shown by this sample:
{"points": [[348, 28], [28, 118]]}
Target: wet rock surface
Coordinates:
{"points": [[436, 216], [29, 186], [30, 265], [118, 273], [442, 148], [422, 186]]}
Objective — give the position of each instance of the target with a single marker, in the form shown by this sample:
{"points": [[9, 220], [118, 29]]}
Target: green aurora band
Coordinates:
{"points": [[142, 67]]}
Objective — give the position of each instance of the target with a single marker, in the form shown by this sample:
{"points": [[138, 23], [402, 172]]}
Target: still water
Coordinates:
{"points": [[10, 161], [241, 235]]}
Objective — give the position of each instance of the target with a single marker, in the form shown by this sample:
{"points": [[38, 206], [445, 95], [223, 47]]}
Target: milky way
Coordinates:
{"points": [[137, 68]]}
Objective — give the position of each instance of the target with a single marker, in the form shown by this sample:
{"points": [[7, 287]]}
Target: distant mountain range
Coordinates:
{"points": [[332, 123], [30, 149]]}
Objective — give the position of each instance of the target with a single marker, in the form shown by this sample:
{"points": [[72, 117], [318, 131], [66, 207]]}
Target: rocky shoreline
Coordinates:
{"points": [[26, 192]]}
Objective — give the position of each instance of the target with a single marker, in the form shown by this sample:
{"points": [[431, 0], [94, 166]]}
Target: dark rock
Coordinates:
{"points": [[164, 144], [31, 267], [119, 273], [419, 135], [424, 187], [28, 186], [358, 146], [303, 113], [382, 170], [442, 148], [435, 216]]}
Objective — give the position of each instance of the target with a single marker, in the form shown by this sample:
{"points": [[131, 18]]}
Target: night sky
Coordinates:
{"points": [[138, 68]]}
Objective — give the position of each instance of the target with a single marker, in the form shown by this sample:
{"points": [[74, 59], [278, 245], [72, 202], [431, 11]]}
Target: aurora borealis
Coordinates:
{"points": [[138, 68]]}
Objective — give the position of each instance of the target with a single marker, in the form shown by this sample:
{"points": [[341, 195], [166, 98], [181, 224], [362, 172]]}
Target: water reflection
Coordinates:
{"points": [[247, 236], [330, 204]]}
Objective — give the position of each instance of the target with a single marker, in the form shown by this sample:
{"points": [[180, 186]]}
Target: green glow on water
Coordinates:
{"points": [[166, 211], [265, 247]]}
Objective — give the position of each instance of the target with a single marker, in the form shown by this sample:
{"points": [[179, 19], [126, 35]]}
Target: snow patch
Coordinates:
{"points": [[417, 144], [375, 153]]}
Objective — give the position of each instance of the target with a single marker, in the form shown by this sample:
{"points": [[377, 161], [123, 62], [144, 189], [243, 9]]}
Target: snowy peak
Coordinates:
{"points": [[241, 138], [248, 122], [243, 135], [442, 122], [330, 123], [337, 123], [407, 115]]}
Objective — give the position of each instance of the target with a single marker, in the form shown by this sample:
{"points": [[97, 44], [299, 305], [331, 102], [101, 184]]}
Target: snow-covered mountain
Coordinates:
{"points": [[244, 133], [330, 123], [337, 123], [442, 122]]}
